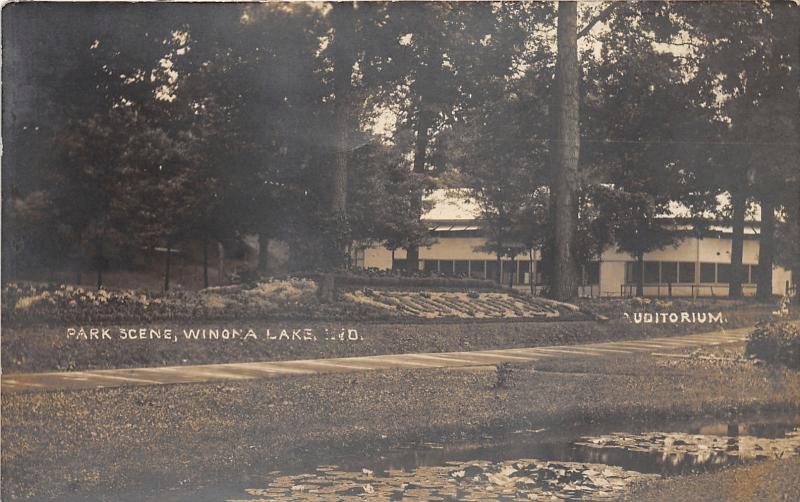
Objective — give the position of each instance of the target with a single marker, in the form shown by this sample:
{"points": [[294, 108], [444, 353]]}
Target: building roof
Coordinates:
{"points": [[680, 210], [453, 209], [451, 205]]}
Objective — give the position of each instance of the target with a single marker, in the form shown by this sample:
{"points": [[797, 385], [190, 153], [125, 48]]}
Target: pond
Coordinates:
{"points": [[572, 464]]}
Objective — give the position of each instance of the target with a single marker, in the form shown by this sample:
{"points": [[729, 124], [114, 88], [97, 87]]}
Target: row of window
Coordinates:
{"points": [[518, 271], [666, 272], [521, 271]]}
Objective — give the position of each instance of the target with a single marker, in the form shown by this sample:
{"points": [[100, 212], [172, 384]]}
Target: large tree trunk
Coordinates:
{"points": [[640, 276], [343, 53], [766, 250], [739, 203], [263, 253], [531, 275], [167, 266], [564, 279], [420, 159], [339, 198]]}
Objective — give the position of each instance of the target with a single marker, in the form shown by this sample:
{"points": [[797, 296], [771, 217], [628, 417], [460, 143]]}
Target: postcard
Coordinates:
{"points": [[400, 251]]}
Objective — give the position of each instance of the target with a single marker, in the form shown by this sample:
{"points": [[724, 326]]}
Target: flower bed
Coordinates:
{"points": [[461, 305], [270, 299]]}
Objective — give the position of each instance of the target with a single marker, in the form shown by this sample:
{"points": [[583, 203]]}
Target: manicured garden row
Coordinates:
{"points": [[457, 304]]}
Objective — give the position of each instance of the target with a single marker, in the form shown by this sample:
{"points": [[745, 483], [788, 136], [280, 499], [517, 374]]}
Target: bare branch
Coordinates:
{"points": [[604, 14]]}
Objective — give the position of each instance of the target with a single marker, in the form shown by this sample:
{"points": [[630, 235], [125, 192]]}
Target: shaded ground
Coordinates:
{"points": [[147, 441]]}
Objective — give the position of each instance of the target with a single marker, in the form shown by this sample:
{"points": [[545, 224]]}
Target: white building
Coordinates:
{"points": [[697, 266]]}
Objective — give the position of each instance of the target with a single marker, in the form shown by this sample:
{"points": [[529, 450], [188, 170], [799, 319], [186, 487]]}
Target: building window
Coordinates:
{"points": [[491, 270], [523, 271], [723, 273], [446, 267], [359, 258], [477, 269], [669, 272], [398, 264], [509, 270], [708, 272], [430, 266], [751, 274], [686, 272], [632, 272], [592, 274], [651, 275], [462, 268]]}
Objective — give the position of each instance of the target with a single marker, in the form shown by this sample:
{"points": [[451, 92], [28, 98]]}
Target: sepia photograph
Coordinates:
{"points": [[408, 250]]}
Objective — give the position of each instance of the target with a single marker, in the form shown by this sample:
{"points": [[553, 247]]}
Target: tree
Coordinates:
{"points": [[94, 183], [564, 180], [502, 165], [382, 194], [271, 80], [427, 65], [638, 225], [343, 55], [745, 71]]}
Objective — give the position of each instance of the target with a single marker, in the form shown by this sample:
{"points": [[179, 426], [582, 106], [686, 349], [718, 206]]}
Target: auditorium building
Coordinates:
{"points": [[699, 265]]}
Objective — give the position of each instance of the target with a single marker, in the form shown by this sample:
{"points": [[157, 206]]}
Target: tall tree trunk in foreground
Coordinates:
{"points": [[640, 275], [739, 203], [564, 278], [343, 55], [531, 275], [420, 158], [766, 250]]}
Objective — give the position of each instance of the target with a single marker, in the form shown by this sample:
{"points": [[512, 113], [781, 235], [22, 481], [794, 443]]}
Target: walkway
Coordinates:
{"points": [[95, 379]]}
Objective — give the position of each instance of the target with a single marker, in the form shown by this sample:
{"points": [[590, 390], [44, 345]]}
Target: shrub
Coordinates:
{"points": [[775, 342], [502, 374]]}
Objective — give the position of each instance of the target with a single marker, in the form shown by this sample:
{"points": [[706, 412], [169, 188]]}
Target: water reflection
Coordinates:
{"points": [[679, 452]]}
